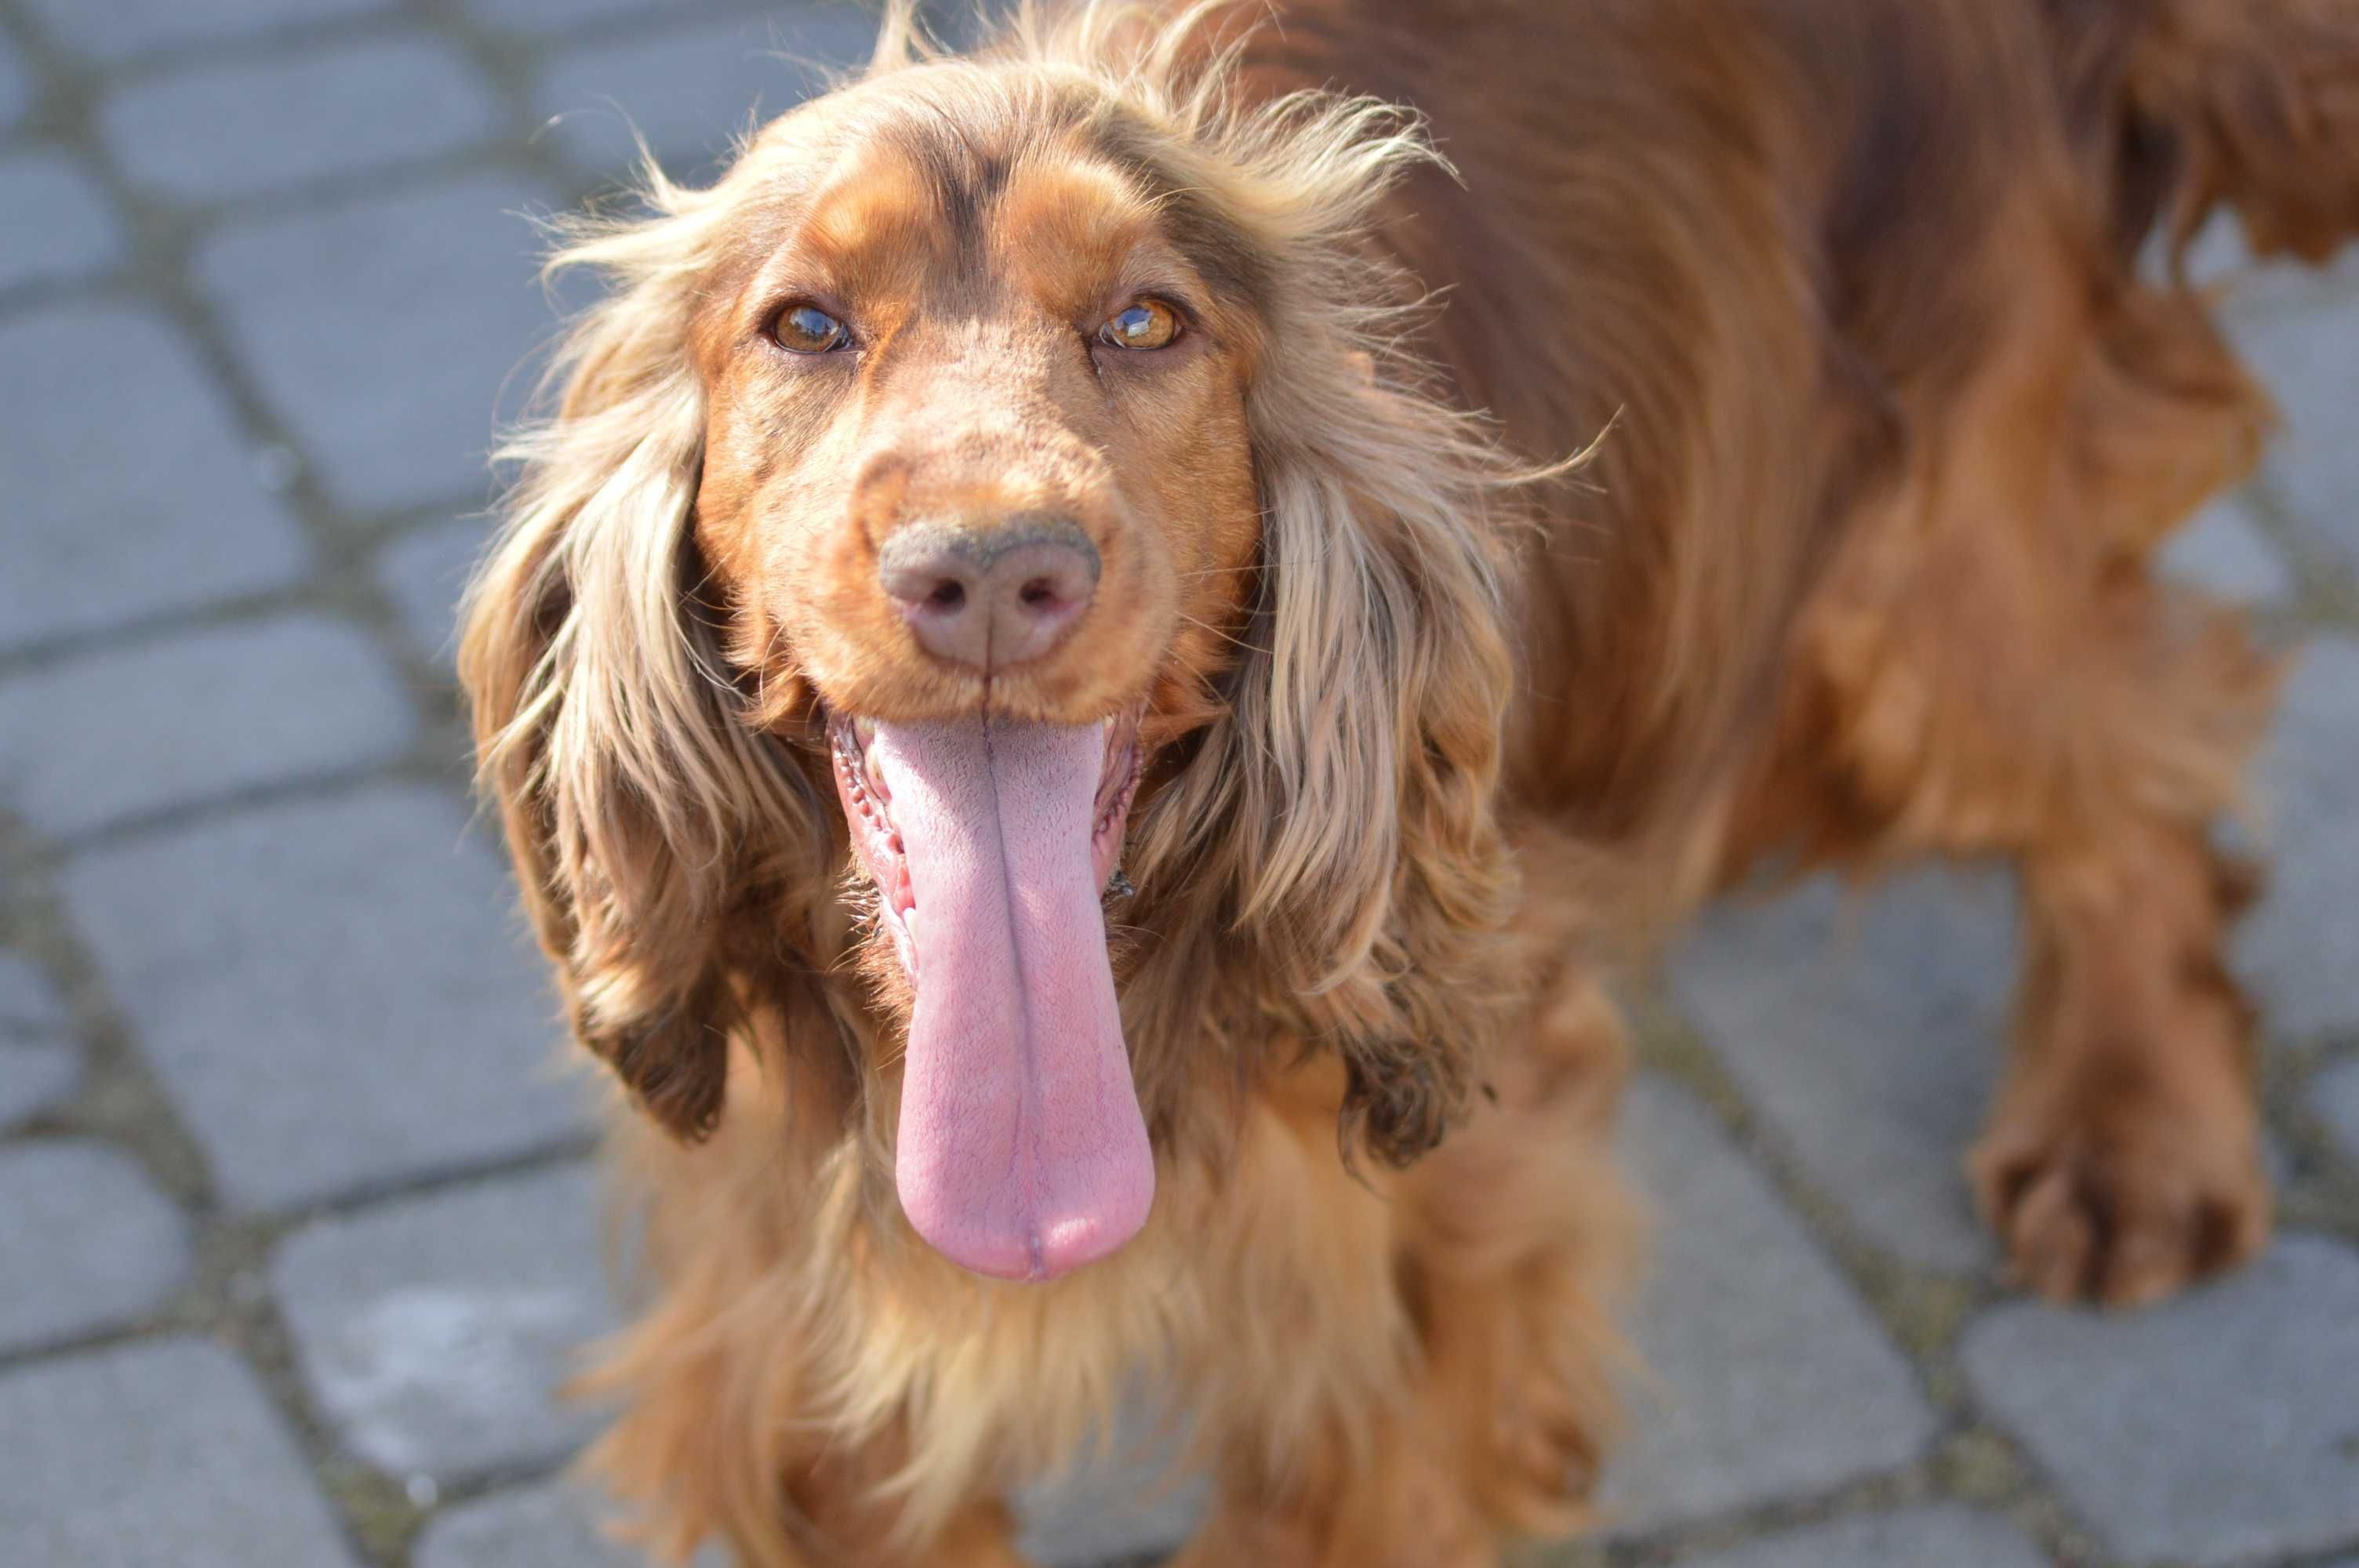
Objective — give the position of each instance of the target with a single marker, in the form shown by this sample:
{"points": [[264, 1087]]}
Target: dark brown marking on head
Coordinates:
{"points": [[1220, 251]]}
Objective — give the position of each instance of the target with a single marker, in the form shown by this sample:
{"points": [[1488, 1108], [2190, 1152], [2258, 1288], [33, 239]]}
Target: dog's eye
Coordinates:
{"points": [[1149, 324], [808, 330]]}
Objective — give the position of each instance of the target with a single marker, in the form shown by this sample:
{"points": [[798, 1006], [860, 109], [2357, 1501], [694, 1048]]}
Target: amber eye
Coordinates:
{"points": [[1149, 324], [808, 330]]}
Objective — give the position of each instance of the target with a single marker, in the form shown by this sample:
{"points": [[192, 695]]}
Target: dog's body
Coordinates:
{"points": [[1858, 570]]}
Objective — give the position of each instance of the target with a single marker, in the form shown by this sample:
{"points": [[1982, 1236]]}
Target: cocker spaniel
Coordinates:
{"points": [[1106, 638]]}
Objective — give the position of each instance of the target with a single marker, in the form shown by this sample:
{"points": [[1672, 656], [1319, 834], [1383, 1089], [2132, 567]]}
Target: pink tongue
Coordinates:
{"points": [[1022, 1153]]}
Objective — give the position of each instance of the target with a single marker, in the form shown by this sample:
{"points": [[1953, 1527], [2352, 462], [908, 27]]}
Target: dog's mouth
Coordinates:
{"points": [[1022, 1153]]}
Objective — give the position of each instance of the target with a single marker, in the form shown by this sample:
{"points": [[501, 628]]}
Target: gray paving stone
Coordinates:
{"points": [[2224, 550], [2335, 1095], [116, 29], [39, 1064], [155, 1456], [388, 332], [335, 992], [436, 1330], [1766, 1376], [60, 225], [2305, 359], [197, 716], [103, 527], [689, 92], [1869, 1028], [241, 127], [561, 15], [16, 86], [88, 1243], [424, 572], [1941, 1537], [2300, 949], [2223, 1425], [33, 1076], [553, 1525], [30, 1005]]}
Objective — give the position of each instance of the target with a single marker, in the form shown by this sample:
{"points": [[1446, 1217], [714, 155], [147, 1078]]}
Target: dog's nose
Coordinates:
{"points": [[990, 597]]}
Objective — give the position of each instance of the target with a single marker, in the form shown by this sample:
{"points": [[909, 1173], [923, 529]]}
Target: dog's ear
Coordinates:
{"points": [[1344, 802], [640, 808], [1341, 811]]}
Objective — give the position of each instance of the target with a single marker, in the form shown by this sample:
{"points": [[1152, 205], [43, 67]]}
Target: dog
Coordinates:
{"points": [[1106, 640]]}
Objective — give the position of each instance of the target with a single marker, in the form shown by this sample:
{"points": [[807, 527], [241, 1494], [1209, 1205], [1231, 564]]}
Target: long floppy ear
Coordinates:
{"points": [[643, 811], [1344, 803], [1367, 739]]}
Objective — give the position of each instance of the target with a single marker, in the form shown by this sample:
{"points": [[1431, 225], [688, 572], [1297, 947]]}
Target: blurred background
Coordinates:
{"points": [[297, 1224]]}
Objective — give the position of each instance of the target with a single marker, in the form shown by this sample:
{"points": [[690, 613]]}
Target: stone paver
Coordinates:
{"points": [[424, 572], [195, 716], [536, 17], [39, 1064], [241, 127], [554, 1525], [33, 1076], [2335, 1095], [436, 1329], [157, 1455], [16, 86], [1768, 1375], [1947, 1536], [689, 92], [103, 527], [2305, 360], [2224, 549], [89, 1244], [2301, 946], [63, 226], [117, 29], [387, 331], [1869, 1028], [334, 991], [2222, 1425]]}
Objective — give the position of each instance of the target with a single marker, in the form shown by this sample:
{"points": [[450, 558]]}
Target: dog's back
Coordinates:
{"points": [[1799, 259]]}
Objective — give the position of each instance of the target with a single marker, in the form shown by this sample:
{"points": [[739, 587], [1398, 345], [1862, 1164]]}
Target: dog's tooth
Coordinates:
{"points": [[909, 925], [866, 729]]}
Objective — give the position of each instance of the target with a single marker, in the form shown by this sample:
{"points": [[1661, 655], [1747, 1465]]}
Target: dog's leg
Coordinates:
{"points": [[1510, 1245], [2123, 1158]]}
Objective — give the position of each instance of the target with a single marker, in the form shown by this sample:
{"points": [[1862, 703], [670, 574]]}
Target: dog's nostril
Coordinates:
{"points": [[990, 597]]}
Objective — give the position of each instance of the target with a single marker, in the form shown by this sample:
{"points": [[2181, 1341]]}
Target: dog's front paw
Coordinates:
{"points": [[2121, 1179]]}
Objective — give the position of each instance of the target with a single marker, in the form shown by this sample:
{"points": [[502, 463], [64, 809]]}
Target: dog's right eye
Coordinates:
{"points": [[808, 330]]}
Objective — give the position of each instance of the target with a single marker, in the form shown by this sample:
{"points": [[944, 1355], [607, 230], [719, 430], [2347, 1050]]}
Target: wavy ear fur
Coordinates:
{"points": [[1341, 810], [643, 814]]}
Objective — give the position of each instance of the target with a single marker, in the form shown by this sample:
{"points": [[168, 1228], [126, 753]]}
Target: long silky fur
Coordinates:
{"points": [[1325, 875]]}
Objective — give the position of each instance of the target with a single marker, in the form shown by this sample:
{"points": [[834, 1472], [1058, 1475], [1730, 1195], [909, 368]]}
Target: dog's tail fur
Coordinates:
{"points": [[2183, 105]]}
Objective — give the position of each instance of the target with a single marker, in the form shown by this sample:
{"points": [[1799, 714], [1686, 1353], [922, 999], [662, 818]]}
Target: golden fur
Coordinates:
{"points": [[1887, 427]]}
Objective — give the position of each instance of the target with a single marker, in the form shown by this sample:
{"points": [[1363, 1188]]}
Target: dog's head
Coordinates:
{"points": [[1001, 483]]}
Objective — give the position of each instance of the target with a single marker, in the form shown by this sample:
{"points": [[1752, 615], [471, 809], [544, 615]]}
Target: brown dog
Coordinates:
{"points": [[1058, 702]]}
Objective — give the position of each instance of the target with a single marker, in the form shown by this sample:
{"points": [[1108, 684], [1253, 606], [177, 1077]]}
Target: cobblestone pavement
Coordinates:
{"points": [[295, 1219]]}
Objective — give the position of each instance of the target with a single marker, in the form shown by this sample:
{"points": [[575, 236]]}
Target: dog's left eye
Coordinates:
{"points": [[808, 330], [1149, 324]]}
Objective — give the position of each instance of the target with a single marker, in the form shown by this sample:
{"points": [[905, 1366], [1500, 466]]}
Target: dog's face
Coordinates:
{"points": [[977, 480], [993, 437]]}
